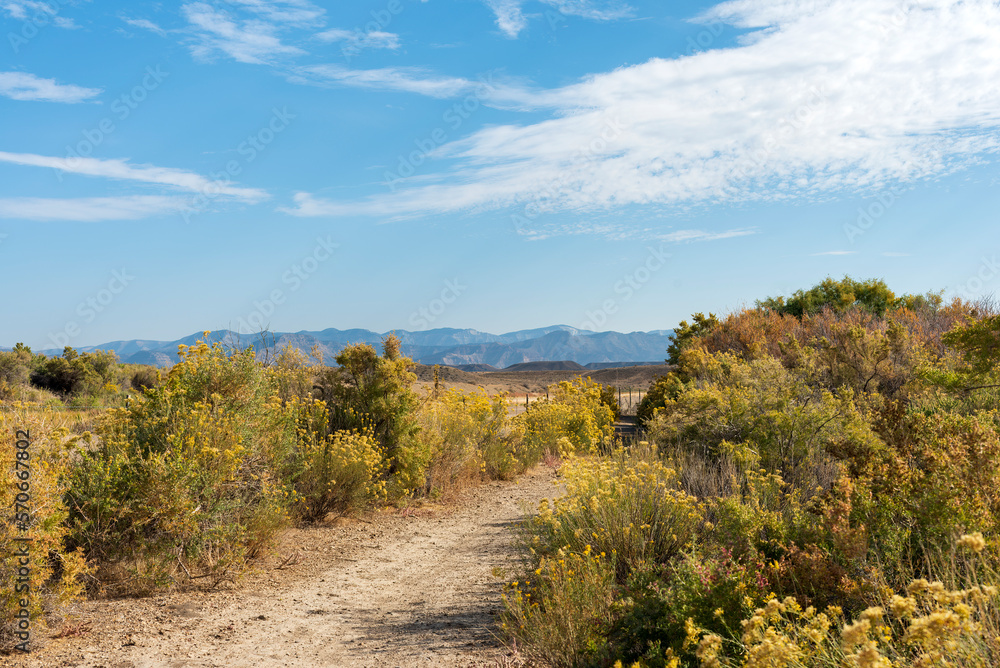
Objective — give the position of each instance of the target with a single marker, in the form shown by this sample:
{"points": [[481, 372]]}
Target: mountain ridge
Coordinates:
{"points": [[445, 346]]}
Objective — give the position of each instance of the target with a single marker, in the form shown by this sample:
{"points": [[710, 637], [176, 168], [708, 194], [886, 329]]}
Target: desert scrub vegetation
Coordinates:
{"points": [[818, 486], [575, 419], [468, 436], [88, 380], [147, 479], [190, 480], [57, 570]]}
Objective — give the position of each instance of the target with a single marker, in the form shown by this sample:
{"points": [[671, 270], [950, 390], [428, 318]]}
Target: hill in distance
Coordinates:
{"points": [[460, 348], [564, 365]]}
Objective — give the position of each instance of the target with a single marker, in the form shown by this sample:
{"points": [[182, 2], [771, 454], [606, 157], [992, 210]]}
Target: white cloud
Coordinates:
{"points": [[145, 24], [65, 23], [90, 209], [356, 40], [833, 253], [23, 86], [15, 10], [294, 13], [27, 10], [253, 41], [122, 170], [827, 97], [701, 235], [511, 18], [487, 90], [407, 79], [257, 40], [589, 9]]}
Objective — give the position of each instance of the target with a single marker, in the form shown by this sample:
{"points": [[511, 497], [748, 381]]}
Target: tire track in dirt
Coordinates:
{"points": [[399, 590]]}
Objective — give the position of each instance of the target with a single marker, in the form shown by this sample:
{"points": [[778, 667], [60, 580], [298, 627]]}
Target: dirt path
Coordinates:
{"points": [[403, 589]]}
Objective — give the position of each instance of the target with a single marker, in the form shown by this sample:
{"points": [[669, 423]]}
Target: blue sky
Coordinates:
{"points": [[494, 164]]}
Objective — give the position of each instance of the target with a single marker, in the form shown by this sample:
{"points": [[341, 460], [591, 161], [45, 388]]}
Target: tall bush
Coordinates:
{"points": [[367, 392]]}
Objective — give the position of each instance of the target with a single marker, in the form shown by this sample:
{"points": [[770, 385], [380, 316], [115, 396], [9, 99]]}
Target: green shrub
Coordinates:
{"points": [[144, 377], [715, 593], [872, 295], [609, 397], [789, 425], [663, 389], [685, 336], [85, 375], [15, 371]]}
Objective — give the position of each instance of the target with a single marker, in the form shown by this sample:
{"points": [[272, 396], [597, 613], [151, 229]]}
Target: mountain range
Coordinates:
{"points": [[453, 347]]}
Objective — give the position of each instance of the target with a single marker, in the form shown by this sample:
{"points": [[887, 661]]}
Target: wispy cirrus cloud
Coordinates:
{"points": [[488, 89], [836, 252], [247, 32], [826, 95], [24, 10], [407, 79], [24, 86], [125, 171], [145, 24], [511, 18], [121, 207], [357, 40], [90, 209], [681, 236], [592, 9], [293, 13], [247, 40]]}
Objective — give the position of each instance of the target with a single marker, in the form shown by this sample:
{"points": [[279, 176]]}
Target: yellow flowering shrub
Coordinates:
{"points": [[629, 505], [575, 413], [928, 625], [560, 615], [338, 472], [368, 392], [188, 481], [469, 437], [55, 572]]}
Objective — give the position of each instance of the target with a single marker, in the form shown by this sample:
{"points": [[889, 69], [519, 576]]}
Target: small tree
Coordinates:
{"points": [[684, 335], [15, 366], [978, 345], [873, 295], [74, 374], [368, 392]]}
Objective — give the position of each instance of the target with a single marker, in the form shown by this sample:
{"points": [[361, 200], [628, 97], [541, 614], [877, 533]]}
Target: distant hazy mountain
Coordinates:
{"points": [[455, 347]]}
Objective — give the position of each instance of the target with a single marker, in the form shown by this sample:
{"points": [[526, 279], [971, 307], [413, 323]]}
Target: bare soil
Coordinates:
{"points": [[417, 587], [638, 378]]}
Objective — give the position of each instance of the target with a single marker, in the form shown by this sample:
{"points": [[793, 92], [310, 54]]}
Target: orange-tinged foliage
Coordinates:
{"points": [[844, 450]]}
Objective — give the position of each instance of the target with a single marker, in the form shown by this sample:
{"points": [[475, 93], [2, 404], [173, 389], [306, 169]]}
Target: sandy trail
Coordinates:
{"points": [[411, 589]]}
